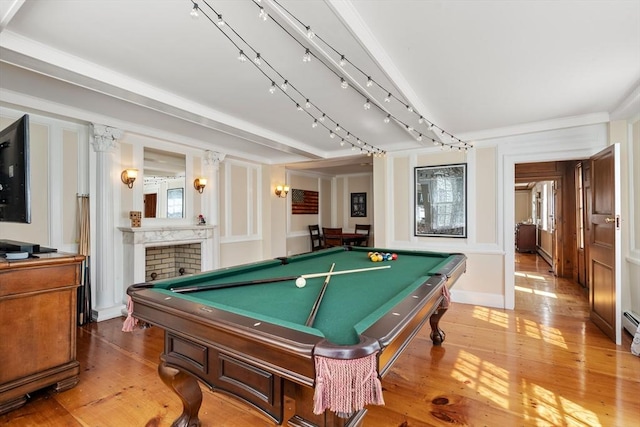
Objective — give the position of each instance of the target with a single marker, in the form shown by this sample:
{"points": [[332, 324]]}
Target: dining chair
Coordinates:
{"points": [[316, 238], [332, 236], [364, 229]]}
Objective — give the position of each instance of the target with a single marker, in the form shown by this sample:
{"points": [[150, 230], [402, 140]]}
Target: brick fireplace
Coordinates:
{"points": [[165, 251], [164, 262]]}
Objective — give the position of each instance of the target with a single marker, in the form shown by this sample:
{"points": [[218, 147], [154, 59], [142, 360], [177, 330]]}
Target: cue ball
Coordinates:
{"points": [[300, 282]]}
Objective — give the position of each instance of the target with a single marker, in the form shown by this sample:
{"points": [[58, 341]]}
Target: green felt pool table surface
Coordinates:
{"points": [[351, 303]]}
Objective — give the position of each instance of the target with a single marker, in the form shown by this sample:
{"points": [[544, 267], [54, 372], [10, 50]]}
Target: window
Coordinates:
{"points": [[175, 202]]}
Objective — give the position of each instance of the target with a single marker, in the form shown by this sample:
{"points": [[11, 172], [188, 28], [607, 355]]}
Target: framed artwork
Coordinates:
{"points": [[304, 202], [441, 200], [358, 204]]}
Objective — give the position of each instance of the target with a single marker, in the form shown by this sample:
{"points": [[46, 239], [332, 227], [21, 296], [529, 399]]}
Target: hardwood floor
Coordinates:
{"points": [[542, 364]]}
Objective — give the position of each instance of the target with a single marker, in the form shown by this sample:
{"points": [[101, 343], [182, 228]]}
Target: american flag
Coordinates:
{"points": [[304, 202]]}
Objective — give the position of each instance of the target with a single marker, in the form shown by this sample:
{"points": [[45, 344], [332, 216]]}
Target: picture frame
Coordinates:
{"points": [[359, 205], [441, 201]]}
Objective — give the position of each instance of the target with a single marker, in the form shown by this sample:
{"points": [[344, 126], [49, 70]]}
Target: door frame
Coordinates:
{"points": [[561, 145]]}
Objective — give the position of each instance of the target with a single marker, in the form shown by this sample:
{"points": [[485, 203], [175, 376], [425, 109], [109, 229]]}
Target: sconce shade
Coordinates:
{"points": [[199, 184], [128, 176], [282, 190]]}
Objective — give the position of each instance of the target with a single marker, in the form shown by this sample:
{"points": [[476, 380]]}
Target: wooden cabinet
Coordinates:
{"points": [[37, 326], [526, 238]]}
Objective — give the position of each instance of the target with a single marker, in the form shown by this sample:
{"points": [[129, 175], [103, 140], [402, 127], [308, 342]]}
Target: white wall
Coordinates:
{"points": [[249, 232], [491, 203], [58, 172]]}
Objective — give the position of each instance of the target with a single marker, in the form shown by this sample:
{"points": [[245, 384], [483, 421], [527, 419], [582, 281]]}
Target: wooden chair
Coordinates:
{"points": [[364, 229], [316, 238], [332, 236]]}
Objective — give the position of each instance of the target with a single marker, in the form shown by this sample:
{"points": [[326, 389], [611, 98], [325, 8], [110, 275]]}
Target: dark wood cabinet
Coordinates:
{"points": [[526, 238], [37, 326]]}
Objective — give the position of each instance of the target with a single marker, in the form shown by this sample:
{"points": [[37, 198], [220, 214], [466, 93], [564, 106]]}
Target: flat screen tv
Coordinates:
{"points": [[15, 195]]}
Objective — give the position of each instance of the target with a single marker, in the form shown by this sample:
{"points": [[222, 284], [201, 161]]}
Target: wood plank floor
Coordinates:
{"points": [[543, 364]]}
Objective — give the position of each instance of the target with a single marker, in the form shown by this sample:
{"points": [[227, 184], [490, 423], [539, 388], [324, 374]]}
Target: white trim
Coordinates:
{"points": [[477, 298], [537, 127], [618, 241], [634, 217], [63, 66], [566, 144], [254, 208], [55, 190]]}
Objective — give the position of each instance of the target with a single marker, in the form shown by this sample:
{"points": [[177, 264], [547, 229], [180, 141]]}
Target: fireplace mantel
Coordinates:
{"points": [[136, 239], [158, 236]]}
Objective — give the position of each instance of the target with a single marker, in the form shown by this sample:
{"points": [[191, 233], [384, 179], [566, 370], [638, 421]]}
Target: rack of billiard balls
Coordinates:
{"points": [[382, 256]]}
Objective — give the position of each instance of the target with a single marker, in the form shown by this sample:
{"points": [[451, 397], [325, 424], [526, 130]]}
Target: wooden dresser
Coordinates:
{"points": [[37, 325], [526, 238]]}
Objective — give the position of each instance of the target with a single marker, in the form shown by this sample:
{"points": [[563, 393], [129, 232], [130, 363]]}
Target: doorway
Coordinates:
{"points": [[551, 193]]}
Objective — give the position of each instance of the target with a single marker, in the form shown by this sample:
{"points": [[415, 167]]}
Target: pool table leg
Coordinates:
{"points": [[187, 388], [437, 334]]}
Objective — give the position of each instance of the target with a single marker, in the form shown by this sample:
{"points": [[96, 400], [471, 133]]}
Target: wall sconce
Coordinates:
{"points": [[282, 190], [128, 176], [199, 184]]}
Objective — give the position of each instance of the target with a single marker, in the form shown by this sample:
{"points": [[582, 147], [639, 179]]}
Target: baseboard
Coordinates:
{"points": [[478, 298], [100, 314]]}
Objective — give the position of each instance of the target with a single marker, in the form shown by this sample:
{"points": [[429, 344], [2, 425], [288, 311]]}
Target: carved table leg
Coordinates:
{"points": [[187, 388], [437, 334]]}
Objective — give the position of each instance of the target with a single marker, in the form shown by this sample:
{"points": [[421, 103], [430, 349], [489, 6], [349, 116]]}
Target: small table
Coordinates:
{"points": [[252, 342], [353, 238]]}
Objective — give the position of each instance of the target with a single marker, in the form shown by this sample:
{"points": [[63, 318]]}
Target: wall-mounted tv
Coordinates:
{"points": [[15, 195]]}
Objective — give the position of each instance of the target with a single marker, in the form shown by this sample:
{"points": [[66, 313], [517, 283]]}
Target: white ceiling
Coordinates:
{"points": [[476, 69]]}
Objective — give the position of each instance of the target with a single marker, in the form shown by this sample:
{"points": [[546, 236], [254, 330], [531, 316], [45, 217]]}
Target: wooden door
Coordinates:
{"points": [[604, 242], [150, 203]]}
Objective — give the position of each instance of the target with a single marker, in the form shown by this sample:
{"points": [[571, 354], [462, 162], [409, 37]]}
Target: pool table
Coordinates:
{"points": [[255, 341]]}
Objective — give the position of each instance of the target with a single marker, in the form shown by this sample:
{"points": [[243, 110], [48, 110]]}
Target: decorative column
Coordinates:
{"points": [[211, 253], [108, 301]]}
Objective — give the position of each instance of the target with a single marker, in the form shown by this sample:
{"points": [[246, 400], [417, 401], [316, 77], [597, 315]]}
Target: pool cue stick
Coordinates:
{"points": [[231, 285], [269, 280], [336, 273], [316, 304]]}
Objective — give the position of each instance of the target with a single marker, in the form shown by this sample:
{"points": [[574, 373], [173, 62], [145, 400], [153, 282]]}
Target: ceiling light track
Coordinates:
{"points": [[453, 143], [260, 60]]}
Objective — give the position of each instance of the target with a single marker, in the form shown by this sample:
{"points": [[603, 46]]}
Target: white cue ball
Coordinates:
{"points": [[300, 282]]}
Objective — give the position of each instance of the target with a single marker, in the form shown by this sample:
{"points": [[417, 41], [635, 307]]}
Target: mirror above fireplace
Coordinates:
{"points": [[164, 184]]}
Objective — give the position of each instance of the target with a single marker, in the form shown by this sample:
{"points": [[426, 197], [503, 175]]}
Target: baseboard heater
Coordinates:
{"points": [[630, 321]]}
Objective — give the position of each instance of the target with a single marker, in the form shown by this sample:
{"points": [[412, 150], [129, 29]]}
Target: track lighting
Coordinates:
{"points": [[310, 33], [307, 56], [263, 14]]}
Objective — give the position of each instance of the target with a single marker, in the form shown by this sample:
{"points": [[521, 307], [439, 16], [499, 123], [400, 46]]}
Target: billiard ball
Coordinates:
{"points": [[394, 257], [301, 282]]}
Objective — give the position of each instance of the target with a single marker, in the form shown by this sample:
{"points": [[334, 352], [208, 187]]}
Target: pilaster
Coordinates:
{"points": [[212, 160], [108, 300]]}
